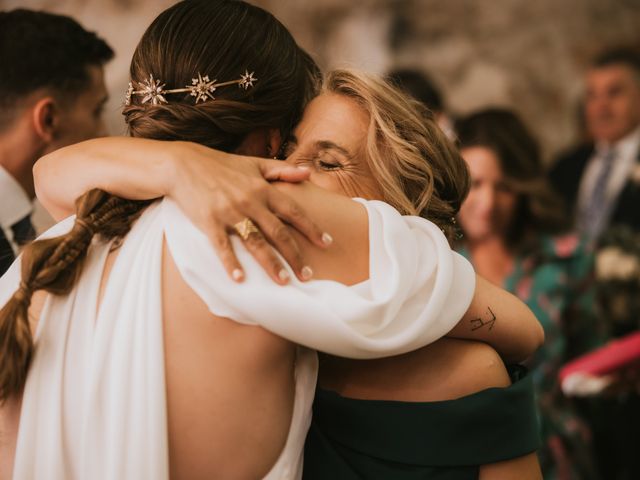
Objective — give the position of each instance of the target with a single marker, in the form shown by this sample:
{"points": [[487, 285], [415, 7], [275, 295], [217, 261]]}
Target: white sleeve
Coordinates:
{"points": [[418, 288]]}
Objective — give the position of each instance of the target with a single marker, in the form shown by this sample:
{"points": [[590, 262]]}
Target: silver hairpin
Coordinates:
{"points": [[246, 80], [201, 88], [152, 89], [127, 95]]}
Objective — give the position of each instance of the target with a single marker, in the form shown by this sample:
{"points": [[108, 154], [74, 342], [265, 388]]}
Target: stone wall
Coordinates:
{"points": [[518, 53]]}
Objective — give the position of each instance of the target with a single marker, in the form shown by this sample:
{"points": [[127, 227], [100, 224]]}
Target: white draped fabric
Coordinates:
{"points": [[94, 402]]}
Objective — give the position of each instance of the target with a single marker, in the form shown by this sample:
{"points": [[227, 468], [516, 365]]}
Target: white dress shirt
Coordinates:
{"points": [[626, 154], [14, 205]]}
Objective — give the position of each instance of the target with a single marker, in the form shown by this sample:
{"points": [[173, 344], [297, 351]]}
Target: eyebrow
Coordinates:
{"points": [[324, 145]]}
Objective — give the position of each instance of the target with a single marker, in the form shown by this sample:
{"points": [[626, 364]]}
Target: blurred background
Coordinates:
{"points": [[511, 74], [515, 53]]}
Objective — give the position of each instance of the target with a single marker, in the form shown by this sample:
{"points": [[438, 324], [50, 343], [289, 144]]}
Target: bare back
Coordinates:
{"points": [[230, 387]]}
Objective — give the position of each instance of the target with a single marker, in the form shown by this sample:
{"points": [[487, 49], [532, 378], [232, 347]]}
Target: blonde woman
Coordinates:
{"points": [[350, 143]]}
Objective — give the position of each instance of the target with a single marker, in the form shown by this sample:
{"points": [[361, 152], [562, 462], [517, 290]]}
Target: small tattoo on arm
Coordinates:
{"points": [[477, 323]]}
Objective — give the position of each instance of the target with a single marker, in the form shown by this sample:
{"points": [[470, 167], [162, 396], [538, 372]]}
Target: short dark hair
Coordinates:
{"points": [[40, 50], [419, 86], [627, 56]]}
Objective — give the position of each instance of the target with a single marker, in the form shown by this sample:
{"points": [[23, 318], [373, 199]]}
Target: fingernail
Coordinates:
{"points": [[327, 239], [283, 275], [306, 272], [237, 275]]}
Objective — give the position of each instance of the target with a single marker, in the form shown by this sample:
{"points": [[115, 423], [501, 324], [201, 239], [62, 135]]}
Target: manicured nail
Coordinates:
{"points": [[283, 275], [327, 239], [306, 272], [302, 167], [237, 275]]}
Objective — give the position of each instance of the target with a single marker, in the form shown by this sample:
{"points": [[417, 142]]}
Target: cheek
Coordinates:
{"points": [[347, 184], [467, 216], [327, 181], [506, 204], [471, 203]]}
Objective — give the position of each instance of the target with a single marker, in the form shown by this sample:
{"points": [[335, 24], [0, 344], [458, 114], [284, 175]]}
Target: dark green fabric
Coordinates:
{"points": [[371, 439]]}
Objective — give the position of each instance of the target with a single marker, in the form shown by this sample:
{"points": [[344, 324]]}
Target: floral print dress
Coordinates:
{"points": [[555, 279]]}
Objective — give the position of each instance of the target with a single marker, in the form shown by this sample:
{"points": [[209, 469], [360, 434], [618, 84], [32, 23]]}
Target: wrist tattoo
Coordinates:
{"points": [[477, 323]]}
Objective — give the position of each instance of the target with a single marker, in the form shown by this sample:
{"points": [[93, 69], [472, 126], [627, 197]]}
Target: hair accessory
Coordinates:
{"points": [[202, 88], [24, 292], [85, 226]]}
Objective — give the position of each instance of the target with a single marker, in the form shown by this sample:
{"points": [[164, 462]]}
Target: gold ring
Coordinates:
{"points": [[245, 228]]}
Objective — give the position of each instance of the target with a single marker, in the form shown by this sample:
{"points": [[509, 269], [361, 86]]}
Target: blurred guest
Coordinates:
{"points": [[422, 88], [600, 181], [513, 235], [52, 94]]}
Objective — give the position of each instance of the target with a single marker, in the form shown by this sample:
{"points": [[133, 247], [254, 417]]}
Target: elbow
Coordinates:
{"points": [[537, 334], [39, 174], [539, 340], [44, 183], [531, 338], [532, 341]]}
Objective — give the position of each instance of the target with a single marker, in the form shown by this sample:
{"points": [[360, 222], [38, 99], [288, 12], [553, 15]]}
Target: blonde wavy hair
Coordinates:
{"points": [[419, 170]]}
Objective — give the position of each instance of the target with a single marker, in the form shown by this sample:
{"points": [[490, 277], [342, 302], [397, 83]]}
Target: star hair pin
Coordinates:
{"points": [[202, 88]]}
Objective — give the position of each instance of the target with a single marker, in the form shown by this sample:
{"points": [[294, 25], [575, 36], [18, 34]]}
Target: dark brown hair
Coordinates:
{"points": [[217, 38], [627, 56], [220, 39], [538, 209], [43, 50]]}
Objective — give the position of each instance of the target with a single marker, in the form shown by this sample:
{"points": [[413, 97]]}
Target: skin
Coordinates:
{"points": [[45, 122], [270, 358], [329, 140], [83, 117], [487, 213], [612, 105]]}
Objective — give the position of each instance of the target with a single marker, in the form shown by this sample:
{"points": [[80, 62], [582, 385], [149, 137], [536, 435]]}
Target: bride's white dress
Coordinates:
{"points": [[94, 403]]}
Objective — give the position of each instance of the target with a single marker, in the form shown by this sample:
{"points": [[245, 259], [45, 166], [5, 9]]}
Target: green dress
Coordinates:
{"points": [[372, 439]]}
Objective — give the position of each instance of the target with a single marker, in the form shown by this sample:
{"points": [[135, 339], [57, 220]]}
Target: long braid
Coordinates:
{"points": [[54, 265]]}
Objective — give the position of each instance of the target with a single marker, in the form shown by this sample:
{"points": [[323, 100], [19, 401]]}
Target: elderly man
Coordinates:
{"points": [[601, 185], [51, 94], [601, 181]]}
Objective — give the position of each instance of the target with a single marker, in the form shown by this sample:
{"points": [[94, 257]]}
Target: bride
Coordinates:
{"points": [[132, 302]]}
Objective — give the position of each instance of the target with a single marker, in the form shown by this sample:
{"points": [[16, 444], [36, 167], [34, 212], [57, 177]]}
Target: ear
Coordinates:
{"points": [[45, 118], [274, 139]]}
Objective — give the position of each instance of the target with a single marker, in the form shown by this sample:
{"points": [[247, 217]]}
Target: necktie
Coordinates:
{"points": [[23, 231], [597, 210], [6, 253]]}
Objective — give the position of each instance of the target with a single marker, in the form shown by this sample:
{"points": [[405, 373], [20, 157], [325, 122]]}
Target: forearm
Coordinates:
{"points": [[502, 320], [133, 168]]}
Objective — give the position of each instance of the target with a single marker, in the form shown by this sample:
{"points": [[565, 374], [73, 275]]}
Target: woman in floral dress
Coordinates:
{"points": [[514, 237]]}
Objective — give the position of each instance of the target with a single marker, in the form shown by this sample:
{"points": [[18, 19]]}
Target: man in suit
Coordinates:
{"points": [[600, 181], [51, 94]]}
